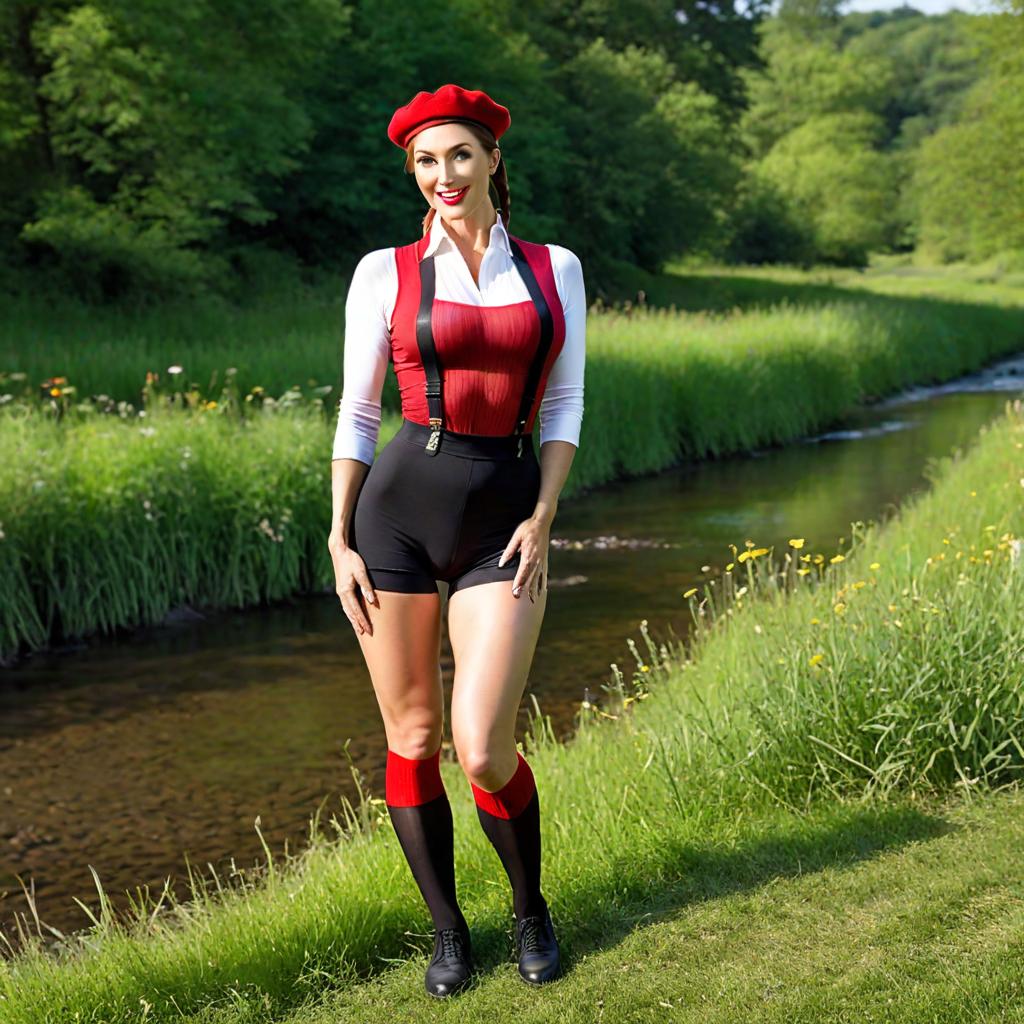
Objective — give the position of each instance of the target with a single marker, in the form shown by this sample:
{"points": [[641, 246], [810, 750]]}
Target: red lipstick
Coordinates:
{"points": [[454, 199]]}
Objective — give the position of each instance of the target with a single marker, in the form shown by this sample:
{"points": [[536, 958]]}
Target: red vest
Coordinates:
{"points": [[484, 351]]}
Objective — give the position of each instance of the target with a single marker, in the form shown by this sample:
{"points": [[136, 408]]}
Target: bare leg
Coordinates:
{"points": [[403, 658], [494, 636]]}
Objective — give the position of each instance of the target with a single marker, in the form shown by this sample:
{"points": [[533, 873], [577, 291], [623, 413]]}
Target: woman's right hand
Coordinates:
{"points": [[350, 577]]}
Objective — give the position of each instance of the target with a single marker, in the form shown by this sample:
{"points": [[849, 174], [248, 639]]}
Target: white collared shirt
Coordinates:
{"points": [[372, 294]]}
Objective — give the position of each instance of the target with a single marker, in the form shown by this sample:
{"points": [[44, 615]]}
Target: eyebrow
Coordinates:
{"points": [[456, 146]]}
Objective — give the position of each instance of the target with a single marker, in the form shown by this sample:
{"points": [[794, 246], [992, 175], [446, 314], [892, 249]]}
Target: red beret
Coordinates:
{"points": [[449, 103]]}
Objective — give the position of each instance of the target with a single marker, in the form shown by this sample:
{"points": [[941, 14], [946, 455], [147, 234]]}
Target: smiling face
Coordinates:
{"points": [[453, 171]]}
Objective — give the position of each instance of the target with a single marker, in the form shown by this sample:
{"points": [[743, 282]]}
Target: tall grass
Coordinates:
{"points": [[900, 670], [112, 523], [782, 701], [108, 520], [293, 336]]}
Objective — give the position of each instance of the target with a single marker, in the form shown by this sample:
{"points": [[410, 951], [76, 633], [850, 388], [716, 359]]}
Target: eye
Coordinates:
{"points": [[423, 160]]}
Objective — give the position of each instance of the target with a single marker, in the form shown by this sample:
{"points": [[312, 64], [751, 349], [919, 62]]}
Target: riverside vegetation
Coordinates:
{"points": [[814, 802], [117, 507]]}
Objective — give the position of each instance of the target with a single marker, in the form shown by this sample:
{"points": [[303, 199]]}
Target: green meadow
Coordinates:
{"points": [[210, 487], [809, 811], [292, 337]]}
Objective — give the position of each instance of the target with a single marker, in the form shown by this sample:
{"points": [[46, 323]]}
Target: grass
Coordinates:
{"points": [[292, 337], [909, 913], [249, 494], [754, 831]]}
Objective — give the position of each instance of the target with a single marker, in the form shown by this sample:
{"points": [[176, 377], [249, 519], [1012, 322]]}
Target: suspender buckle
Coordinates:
{"points": [[435, 436], [519, 453]]}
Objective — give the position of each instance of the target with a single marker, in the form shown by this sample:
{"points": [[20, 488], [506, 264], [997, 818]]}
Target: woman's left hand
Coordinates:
{"points": [[532, 536]]}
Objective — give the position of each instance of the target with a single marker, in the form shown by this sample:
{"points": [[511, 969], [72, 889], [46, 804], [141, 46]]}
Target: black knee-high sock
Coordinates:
{"points": [[510, 818], [422, 816]]}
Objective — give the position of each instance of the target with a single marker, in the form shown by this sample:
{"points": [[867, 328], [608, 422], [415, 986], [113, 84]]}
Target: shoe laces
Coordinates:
{"points": [[530, 936], [451, 944]]}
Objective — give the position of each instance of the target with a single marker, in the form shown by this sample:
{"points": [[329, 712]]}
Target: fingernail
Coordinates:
{"points": [[501, 561], [516, 590]]}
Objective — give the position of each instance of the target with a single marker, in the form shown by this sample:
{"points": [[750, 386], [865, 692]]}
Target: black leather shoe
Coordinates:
{"points": [[538, 949], [452, 963]]}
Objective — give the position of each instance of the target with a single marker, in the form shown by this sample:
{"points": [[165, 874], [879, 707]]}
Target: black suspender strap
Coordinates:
{"points": [[547, 334], [428, 354]]}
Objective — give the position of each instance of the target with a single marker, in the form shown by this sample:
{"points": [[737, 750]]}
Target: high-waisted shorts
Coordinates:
{"points": [[420, 518]]}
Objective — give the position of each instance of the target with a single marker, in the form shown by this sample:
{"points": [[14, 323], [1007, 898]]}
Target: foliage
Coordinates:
{"points": [[837, 181], [150, 150], [155, 132], [982, 146]]}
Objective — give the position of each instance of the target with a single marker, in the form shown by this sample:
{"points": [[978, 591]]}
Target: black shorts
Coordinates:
{"points": [[420, 518]]}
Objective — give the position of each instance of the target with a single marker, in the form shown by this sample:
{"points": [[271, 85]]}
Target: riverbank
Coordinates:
{"points": [[110, 521], [826, 709]]}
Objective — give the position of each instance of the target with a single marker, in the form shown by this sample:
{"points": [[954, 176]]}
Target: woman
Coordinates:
{"points": [[485, 331]]}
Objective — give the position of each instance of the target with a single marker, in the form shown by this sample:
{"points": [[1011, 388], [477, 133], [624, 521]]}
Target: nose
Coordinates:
{"points": [[447, 177]]}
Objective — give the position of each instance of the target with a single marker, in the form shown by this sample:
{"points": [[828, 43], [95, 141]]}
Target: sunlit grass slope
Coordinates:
{"points": [[772, 794]]}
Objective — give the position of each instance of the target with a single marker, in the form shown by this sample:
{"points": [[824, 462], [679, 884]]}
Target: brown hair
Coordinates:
{"points": [[499, 179]]}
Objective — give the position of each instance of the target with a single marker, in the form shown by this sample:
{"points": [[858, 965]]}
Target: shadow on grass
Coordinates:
{"points": [[687, 873]]}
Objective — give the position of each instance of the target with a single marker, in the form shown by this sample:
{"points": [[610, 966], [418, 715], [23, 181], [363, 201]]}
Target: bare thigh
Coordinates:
{"points": [[404, 659], [493, 637]]}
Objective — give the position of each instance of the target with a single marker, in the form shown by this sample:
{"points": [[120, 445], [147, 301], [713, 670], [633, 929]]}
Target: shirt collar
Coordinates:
{"points": [[440, 237]]}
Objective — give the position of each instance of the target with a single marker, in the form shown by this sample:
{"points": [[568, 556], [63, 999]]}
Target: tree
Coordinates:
{"points": [[157, 130], [968, 183]]}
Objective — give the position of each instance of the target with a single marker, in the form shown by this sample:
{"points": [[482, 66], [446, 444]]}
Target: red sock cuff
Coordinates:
{"points": [[409, 782], [510, 801]]}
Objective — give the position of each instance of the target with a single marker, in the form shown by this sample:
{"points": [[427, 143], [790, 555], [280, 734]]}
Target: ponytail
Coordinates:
{"points": [[499, 181]]}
